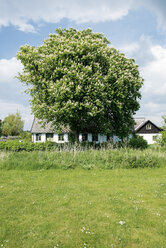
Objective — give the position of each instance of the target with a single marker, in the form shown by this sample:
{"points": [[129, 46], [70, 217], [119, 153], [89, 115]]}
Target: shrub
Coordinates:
{"points": [[162, 140], [16, 145], [25, 136], [138, 142]]}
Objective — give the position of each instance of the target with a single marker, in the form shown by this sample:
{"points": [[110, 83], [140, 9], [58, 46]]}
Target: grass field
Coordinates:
{"points": [[83, 208]]}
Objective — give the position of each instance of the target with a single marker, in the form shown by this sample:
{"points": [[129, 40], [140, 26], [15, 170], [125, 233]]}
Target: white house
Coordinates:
{"points": [[148, 130], [42, 134]]}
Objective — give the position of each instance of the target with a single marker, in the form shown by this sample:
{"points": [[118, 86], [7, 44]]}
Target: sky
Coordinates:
{"points": [[136, 28]]}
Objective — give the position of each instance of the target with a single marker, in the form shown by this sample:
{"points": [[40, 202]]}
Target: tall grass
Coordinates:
{"points": [[85, 159]]}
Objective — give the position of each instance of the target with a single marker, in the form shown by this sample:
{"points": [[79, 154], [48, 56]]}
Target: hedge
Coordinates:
{"points": [[16, 146]]}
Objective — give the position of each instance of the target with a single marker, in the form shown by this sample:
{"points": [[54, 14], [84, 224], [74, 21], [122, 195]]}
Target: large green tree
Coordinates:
{"points": [[12, 125], [76, 79]]}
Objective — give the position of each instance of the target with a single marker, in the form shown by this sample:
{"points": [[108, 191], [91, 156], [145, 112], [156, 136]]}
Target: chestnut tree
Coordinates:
{"points": [[77, 80]]}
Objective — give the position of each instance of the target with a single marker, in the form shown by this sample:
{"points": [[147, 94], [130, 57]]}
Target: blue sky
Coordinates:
{"points": [[136, 28]]}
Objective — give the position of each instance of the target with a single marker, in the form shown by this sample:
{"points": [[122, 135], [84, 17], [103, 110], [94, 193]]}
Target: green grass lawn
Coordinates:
{"points": [[82, 209]]}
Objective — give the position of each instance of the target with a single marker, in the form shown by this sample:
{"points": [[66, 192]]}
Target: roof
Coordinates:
{"points": [[142, 122], [139, 122], [47, 128]]}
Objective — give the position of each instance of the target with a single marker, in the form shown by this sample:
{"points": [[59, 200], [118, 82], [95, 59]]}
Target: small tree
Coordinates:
{"points": [[162, 140], [12, 125], [76, 80]]}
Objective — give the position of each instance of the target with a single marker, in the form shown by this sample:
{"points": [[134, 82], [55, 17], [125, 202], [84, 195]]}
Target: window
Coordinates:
{"points": [[84, 137], [61, 137], [148, 127], [94, 137], [38, 136], [49, 136], [154, 138], [110, 138]]}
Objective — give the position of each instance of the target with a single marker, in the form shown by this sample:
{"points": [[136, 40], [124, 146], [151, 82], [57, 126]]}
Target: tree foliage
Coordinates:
{"points": [[164, 120], [162, 140], [0, 127], [12, 125], [26, 136], [76, 79]]}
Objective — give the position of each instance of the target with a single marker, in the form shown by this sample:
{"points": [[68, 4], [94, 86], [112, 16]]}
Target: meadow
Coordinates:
{"points": [[88, 199]]}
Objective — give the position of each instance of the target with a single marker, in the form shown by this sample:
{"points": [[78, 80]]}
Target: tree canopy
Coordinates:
{"points": [[12, 125], [76, 79]]}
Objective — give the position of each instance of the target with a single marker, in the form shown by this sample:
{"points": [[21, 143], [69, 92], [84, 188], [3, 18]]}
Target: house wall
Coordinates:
{"points": [[55, 138], [101, 138], [43, 137], [149, 137], [80, 137], [89, 137], [116, 139]]}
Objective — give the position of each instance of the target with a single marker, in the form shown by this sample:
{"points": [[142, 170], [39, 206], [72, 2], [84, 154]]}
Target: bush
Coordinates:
{"points": [[138, 142], [16, 145], [162, 139], [25, 136]]}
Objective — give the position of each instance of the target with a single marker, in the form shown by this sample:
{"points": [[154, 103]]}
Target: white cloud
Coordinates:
{"points": [[19, 13], [154, 72], [9, 69], [159, 8], [140, 50], [152, 60], [11, 93], [129, 48]]}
